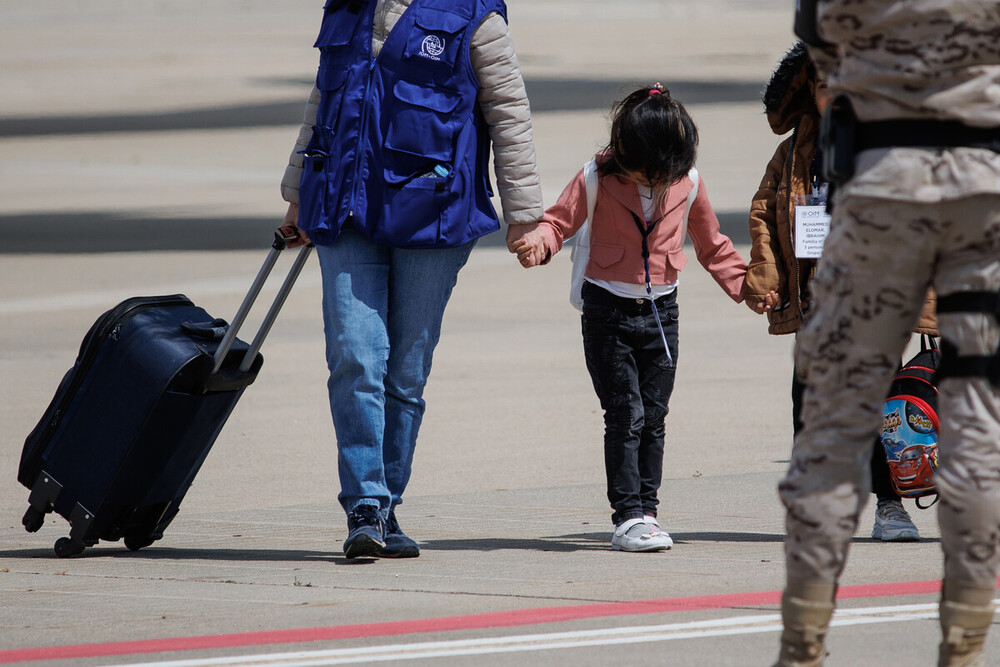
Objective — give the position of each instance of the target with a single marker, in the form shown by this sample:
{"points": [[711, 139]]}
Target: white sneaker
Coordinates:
{"points": [[893, 524], [640, 535], [655, 529]]}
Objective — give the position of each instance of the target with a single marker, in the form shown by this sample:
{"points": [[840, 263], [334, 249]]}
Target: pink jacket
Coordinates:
{"points": [[616, 244]]}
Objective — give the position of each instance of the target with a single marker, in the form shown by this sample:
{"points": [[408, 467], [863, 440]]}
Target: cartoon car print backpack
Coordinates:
{"points": [[910, 425]]}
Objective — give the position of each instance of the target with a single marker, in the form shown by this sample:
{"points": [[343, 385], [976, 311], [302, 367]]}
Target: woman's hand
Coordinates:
{"points": [[292, 220], [531, 249]]}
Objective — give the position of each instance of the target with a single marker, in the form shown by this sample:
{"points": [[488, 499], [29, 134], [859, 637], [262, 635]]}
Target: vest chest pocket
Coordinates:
{"points": [[435, 37], [330, 81], [340, 19], [421, 132], [314, 183], [419, 166], [332, 74]]}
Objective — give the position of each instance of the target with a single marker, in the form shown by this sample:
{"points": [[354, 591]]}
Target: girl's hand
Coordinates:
{"points": [[530, 249], [769, 302]]}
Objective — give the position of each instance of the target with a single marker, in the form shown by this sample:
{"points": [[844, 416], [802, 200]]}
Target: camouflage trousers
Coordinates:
{"points": [[870, 286]]}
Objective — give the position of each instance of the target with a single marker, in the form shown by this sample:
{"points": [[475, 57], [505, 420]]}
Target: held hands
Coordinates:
{"points": [[531, 249], [528, 243], [760, 307]]}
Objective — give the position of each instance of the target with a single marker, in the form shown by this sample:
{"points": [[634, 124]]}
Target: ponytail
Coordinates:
{"points": [[651, 134]]}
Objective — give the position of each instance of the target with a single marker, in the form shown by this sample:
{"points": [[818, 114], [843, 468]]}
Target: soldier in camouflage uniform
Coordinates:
{"points": [[922, 209]]}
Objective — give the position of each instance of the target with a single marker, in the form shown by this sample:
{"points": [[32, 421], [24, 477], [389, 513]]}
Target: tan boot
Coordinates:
{"points": [[806, 610], [966, 613]]}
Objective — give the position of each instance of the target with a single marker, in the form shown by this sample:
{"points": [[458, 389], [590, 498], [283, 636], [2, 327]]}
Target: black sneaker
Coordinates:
{"points": [[397, 544], [366, 535]]}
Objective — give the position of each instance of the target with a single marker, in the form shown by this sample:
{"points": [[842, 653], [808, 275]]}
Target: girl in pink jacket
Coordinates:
{"points": [[648, 199]]}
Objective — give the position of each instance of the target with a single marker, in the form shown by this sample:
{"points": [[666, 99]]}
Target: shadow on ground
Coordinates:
{"points": [[544, 95], [106, 231]]}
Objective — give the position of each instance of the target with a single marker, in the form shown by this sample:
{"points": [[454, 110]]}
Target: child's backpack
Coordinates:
{"points": [[910, 425]]}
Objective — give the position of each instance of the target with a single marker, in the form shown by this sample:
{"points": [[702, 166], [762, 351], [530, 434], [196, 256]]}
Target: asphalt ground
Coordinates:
{"points": [[124, 170]]}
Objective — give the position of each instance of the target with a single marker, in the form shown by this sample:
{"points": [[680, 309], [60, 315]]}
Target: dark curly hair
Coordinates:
{"points": [[653, 135]]}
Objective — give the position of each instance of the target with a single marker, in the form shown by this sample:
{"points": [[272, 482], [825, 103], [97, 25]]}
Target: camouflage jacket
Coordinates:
{"points": [[915, 59], [923, 59]]}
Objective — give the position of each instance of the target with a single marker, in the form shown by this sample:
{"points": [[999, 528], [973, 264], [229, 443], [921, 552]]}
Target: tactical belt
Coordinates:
{"points": [[924, 134], [842, 137], [953, 365]]}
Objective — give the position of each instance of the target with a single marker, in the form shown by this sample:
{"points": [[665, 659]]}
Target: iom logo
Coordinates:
{"points": [[432, 47]]}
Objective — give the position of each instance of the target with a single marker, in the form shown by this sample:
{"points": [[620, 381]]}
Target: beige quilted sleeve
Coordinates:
{"points": [[504, 102], [293, 172]]}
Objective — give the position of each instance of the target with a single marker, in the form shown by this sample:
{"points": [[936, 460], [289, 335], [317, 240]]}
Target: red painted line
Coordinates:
{"points": [[500, 619]]}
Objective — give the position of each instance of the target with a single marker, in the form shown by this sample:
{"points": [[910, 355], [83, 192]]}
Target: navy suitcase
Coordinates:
{"points": [[134, 418]]}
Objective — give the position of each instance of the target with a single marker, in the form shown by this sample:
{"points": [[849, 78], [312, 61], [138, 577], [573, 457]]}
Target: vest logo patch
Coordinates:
{"points": [[432, 47]]}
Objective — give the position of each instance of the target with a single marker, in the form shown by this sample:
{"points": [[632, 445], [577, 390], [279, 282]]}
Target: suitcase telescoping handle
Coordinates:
{"points": [[282, 237]]}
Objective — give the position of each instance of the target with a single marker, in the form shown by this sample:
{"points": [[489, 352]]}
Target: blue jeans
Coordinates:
{"points": [[633, 378], [382, 311]]}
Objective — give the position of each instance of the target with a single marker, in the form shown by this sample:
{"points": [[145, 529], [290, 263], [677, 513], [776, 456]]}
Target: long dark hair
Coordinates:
{"points": [[653, 135]]}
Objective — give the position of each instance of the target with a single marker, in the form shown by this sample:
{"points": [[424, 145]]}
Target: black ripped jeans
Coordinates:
{"points": [[633, 378]]}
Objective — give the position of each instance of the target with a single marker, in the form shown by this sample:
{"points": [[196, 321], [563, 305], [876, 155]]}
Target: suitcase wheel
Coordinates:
{"points": [[65, 547], [134, 542], [33, 520]]}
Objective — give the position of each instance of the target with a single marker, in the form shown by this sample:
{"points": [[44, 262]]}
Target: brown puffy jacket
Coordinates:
{"points": [[789, 105]]}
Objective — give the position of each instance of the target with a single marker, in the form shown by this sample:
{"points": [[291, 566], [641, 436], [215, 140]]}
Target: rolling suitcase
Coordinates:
{"points": [[134, 418]]}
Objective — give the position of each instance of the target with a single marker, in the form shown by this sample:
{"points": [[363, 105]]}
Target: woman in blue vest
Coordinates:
{"points": [[389, 179]]}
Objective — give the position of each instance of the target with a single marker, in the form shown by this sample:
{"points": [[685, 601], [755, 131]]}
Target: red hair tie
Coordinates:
{"points": [[657, 89]]}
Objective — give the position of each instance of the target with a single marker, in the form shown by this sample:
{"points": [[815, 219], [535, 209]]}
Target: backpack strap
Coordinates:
{"points": [[581, 240], [590, 182], [590, 178], [955, 365], [693, 175]]}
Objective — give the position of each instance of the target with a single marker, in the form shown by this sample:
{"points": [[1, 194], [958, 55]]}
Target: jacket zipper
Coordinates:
{"points": [[791, 229], [364, 110], [361, 137], [923, 405], [917, 378]]}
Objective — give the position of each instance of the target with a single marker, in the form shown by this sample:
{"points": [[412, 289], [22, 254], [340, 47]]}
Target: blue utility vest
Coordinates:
{"points": [[400, 147]]}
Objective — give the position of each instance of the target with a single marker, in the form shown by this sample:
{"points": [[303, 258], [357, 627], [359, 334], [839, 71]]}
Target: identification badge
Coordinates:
{"points": [[812, 224]]}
